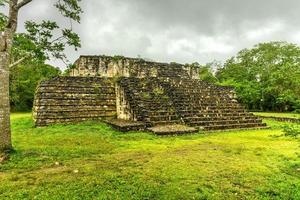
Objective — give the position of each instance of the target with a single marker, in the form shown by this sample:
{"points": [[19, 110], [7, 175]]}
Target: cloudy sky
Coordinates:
{"points": [[183, 31]]}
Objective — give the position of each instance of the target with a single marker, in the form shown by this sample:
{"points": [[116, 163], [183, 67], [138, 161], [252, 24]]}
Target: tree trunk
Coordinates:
{"points": [[5, 48], [5, 132]]}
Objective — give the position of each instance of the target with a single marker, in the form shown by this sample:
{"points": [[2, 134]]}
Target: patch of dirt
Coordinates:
{"points": [[120, 122], [172, 129], [3, 158]]}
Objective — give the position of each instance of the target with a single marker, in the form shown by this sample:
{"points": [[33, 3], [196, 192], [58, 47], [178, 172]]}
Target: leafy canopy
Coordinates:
{"points": [[46, 39], [266, 77], [23, 82]]}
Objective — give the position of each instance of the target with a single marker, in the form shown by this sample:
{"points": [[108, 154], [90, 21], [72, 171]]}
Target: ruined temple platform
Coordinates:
{"points": [[138, 94]]}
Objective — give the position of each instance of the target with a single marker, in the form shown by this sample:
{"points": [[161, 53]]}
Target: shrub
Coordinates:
{"points": [[291, 131]]}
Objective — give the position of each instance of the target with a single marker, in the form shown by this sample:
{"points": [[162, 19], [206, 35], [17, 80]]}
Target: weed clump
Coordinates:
{"points": [[291, 131]]}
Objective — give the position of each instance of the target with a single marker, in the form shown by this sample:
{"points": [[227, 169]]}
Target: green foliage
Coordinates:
{"points": [[291, 131], [158, 91], [266, 77], [297, 106], [2, 2], [3, 18], [92, 161], [23, 46], [46, 39], [46, 43], [206, 72], [69, 9], [23, 82], [117, 58], [3, 21]]}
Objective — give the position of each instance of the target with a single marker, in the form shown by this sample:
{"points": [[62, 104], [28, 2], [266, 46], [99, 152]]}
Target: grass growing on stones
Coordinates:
{"points": [[92, 161]]}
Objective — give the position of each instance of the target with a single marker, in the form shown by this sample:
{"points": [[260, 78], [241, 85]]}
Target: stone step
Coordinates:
{"points": [[74, 114], [163, 117], [59, 91], [208, 107], [208, 115], [77, 108], [76, 95], [198, 91], [154, 123], [46, 122], [223, 122], [203, 100], [200, 99], [71, 98], [65, 85], [50, 103], [160, 112], [233, 126], [211, 119], [191, 110], [197, 85]]}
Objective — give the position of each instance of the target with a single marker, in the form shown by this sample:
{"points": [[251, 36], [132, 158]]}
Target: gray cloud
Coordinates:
{"points": [[176, 30]]}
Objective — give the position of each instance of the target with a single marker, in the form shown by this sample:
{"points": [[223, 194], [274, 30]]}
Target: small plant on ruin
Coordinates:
{"points": [[117, 58], [146, 95], [158, 91], [97, 89]]}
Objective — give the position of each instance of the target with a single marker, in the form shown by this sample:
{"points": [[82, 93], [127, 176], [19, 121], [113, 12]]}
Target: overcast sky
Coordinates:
{"points": [[183, 31]]}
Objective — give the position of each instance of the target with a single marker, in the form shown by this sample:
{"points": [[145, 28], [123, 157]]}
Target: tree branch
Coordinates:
{"points": [[23, 3], [19, 61]]}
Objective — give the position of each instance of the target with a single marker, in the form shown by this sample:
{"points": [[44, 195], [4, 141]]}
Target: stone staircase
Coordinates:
{"points": [[74, 99], [148, 101], [174, 100], [209, 107]]}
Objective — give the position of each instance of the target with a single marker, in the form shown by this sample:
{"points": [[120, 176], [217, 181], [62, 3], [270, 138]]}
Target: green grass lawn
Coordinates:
{"points": [[273, 114], [92, 161]]}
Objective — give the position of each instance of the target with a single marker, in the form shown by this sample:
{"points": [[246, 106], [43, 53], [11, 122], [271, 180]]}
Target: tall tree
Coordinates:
{"points": [[266, 77], [41, 41]]}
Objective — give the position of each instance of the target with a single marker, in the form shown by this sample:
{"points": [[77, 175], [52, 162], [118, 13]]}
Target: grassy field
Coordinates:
{"points": [[92, 161], [273, 114]]}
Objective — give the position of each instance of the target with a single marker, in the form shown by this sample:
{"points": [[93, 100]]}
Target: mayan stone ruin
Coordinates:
{"points": [[134, 94]]}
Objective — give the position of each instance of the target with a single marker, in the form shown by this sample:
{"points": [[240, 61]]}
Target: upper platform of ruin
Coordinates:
{"points": [[119, 66]]}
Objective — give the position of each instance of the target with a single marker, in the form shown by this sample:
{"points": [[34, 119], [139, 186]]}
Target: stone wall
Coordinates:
{"points": [[74, 99], [118, 66]]}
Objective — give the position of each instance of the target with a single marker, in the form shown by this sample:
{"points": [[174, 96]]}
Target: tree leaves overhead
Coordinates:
{"points": [[46, 39], [72, 38], [69, 9], [3, 18], [3, 2]]}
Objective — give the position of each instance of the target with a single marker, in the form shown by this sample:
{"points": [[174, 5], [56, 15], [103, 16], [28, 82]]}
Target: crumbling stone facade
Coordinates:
{"points": [[119, 66], [136, 90]]}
